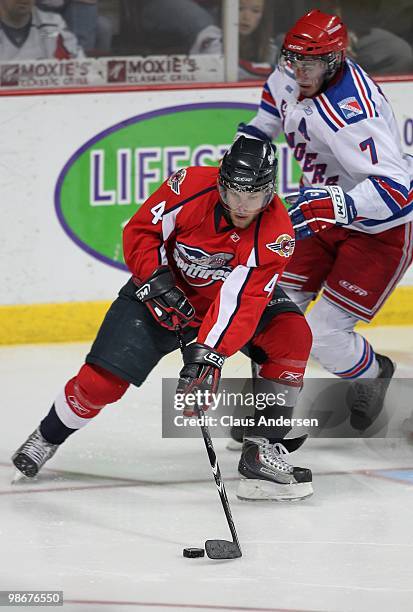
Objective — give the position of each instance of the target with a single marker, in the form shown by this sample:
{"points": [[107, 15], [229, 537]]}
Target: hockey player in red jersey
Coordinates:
{"points": [[205, 252], [355, 205]]}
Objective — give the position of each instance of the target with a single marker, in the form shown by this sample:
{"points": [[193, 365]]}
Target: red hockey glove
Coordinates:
{"points": [[314, 210], [201, 372], [166, 302]]}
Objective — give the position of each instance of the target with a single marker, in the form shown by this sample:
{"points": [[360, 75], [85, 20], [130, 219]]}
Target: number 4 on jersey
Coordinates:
{"points": [[269, 287], [158, 211]]}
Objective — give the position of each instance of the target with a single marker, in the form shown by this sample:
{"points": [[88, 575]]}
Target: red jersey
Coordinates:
{"points": [[227, 273]]}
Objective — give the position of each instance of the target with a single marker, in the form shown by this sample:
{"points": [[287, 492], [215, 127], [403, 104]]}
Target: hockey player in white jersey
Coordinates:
{"points": [[353, 214]]}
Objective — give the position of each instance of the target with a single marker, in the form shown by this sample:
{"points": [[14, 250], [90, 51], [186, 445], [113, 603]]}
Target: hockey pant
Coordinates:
{"points": [[130, 343]]}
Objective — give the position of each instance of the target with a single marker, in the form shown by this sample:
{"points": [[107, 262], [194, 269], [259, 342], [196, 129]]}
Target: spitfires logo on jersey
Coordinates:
{"points": [[176, 179], [200, 268], [350, 107], [283, 245]]}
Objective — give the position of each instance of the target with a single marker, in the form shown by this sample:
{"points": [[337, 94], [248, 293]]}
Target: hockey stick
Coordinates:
{"points": [[215, 549]]}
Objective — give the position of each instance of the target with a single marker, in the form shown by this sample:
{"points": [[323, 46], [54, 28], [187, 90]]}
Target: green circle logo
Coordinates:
{"points": [[106, 180]]}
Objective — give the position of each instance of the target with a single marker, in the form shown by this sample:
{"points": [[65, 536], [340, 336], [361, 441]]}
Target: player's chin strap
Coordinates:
{"points": [[215, 549]]}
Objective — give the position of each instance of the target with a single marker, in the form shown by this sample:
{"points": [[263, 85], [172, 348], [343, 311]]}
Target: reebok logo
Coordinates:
{"points": [[76, 407], [295, 377]]}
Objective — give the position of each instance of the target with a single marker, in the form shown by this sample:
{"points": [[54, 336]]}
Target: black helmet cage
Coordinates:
{"points": [[249, 166], [333, 60], [268, 187]]}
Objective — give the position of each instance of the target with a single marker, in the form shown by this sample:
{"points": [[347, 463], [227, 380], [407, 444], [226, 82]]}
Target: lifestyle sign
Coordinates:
{"points": [[106, 180]]}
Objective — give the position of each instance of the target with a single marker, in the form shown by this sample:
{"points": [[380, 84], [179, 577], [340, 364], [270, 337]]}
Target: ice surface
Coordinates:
{"points": [[107, 521]]}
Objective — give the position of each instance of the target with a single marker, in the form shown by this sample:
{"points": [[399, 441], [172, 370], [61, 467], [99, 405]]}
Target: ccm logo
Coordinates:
{"points": [[143, 292], [352, 288], [217, 360], [339, 202]]}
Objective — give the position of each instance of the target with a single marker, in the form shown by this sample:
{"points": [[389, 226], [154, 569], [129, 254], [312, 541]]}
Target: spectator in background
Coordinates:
{"points": [[27, 33], [375, 30], [187, 27], [181, 26], [397, 17], [378, 50], [93, 31], [257, 50]]}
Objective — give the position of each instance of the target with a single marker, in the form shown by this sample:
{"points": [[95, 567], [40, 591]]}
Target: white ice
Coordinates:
{"points": [[107, 520]]}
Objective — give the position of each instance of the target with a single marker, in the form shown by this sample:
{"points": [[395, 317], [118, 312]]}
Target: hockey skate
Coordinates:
{"points": [[267, 475], [33, 454], [366, 396]]}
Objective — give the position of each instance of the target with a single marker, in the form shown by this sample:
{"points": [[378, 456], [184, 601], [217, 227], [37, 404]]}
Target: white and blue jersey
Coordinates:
{"points": [[347, 136]]}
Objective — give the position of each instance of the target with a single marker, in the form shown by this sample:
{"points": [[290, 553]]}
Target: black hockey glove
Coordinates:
{"points": [[166, 302], [201, 372]]}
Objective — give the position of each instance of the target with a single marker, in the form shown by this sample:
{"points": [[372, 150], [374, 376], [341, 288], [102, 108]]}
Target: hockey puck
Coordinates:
{"points": [[193, 553]]}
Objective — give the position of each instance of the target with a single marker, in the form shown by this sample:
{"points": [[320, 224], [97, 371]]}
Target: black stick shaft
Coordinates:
{"points": [[217, 476], [213, 458]]}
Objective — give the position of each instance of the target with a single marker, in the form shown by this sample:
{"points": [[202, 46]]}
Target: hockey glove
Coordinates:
{"points": [[314, 210], [166, 302], [201, 372]]}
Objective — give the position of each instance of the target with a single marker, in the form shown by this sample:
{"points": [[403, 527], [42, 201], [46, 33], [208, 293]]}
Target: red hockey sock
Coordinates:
{"points": [[286, 342], [86, 394]]}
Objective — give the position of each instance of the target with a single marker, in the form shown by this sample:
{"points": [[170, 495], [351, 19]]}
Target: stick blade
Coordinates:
{"points": [[222, 549]]}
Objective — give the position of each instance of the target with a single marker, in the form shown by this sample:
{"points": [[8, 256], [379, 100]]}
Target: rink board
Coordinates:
{"points": [[76, 166], [79, 321]]}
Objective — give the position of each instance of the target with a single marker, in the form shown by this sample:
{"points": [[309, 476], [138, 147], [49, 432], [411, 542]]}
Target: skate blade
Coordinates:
{"points": [[264, 490]]}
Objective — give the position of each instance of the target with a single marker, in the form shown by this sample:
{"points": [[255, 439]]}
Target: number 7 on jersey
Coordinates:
{"points": [[369, 144]]}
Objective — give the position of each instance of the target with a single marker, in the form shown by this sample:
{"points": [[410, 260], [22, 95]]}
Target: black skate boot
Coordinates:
{"points": [[266, 474], [366, 396], [33, 454]]}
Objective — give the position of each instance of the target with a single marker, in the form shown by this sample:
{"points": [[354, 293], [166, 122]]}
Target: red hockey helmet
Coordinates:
{"points": [[318, 38], [317, 33]]}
